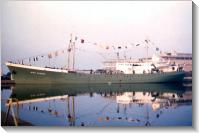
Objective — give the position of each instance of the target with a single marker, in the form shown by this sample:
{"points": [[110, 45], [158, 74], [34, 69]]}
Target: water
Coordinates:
{"points": [[101, 105]]}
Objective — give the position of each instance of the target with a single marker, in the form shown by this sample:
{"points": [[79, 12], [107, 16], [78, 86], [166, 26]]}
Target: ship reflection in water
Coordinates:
{"points": [[100, 105]]}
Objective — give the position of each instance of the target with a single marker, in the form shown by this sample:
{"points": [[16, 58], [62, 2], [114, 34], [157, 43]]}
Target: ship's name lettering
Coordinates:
{"points": [[38, 73]]}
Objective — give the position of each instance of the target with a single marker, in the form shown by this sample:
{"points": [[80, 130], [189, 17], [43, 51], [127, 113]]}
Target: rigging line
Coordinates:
{"points": [[99, 53], [130, 50], [40, 54], [85, 115], [102, 55], [102, 110], [84, 50]]}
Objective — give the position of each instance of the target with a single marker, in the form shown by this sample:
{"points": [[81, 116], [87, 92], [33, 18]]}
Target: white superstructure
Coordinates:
{"points": [[163, 61], [134, 68]]}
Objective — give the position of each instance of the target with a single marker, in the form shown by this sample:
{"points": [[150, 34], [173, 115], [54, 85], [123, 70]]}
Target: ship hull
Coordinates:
{"points": [[23, 75]]}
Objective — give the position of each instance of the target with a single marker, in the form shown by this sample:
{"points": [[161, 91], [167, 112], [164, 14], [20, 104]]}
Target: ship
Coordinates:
{"points": [[136, 72], [24, 74]]}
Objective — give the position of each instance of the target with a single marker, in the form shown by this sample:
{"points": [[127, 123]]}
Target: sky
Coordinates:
{"points": [[36, 27]]}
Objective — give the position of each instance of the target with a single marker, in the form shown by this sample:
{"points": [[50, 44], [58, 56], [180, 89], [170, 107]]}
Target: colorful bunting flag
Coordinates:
{"points": [[82, 40], [69, 49], [56, 53], [117, 54], [49, 55], [147, 40]]}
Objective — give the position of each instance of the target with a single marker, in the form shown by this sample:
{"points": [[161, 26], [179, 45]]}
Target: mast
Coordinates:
{"points": [[147, 52], [147, 48], [71, 54], [71, 114]]}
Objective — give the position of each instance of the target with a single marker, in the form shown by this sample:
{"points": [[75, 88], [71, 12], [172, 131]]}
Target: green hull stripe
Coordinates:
{"points": [[29, 76]]}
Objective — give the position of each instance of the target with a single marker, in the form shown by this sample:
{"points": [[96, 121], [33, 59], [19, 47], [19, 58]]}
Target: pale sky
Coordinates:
{"points": [[33, 28]]}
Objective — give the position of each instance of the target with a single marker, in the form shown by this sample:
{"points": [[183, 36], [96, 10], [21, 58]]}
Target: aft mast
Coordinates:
{"points": [[69, 51]]}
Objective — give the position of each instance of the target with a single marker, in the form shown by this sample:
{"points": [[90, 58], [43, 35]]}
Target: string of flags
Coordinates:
{"points": [[114, 46], [117, 47], [82, 41], [48, 55], [56, 53]]}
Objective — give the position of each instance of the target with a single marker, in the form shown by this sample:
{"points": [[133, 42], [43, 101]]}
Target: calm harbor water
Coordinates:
{"points": [[100, 105]]}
